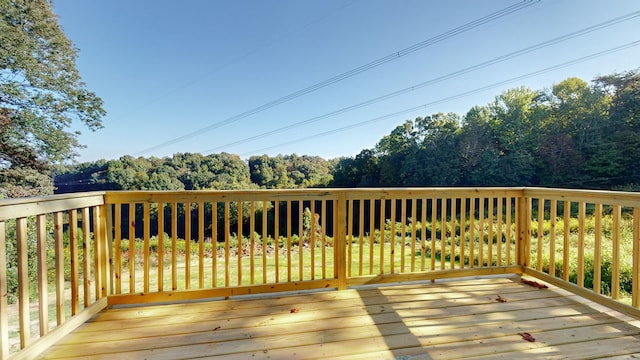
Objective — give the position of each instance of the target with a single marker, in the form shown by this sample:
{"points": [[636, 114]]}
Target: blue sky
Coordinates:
{"points": [[166, 69]]}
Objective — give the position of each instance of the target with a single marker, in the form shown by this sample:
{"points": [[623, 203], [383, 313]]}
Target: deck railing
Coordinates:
{"points": [[70, 256]]}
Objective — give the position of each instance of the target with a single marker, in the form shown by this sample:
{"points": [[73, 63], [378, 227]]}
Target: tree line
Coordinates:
{"points": [[187, 171], [574, 134]]}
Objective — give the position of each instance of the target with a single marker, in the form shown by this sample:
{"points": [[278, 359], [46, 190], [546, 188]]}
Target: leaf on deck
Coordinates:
{"points": [[534, 284], [527, 336], [501, 299]]}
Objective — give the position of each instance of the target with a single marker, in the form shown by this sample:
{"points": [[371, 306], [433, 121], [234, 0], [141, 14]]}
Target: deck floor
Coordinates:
{"points": [[441, 320]]}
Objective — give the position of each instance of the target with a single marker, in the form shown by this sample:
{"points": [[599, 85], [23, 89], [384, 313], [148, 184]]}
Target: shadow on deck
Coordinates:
{"points": [[420, 320]]}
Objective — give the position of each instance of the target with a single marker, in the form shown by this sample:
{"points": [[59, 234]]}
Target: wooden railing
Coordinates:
{"points": [[587, 242], [53, 269], [85, 252]]}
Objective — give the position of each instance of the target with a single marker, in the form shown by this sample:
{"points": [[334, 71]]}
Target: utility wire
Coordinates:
{"points": [[449, 76], [393, 56], [457, 96]]}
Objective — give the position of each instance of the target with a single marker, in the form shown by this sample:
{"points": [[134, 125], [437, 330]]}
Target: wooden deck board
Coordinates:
{"points": [[442, 320]]}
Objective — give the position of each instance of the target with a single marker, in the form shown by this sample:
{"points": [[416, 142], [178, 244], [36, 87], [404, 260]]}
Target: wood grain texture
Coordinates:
{"points": [[441, 320]]}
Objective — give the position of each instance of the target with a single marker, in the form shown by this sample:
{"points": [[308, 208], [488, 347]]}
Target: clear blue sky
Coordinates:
{"points": [[166, 69]]}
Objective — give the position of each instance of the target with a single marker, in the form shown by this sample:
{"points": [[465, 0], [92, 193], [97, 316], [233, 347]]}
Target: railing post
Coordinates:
{"points": [[523, 228], [339, 240]]}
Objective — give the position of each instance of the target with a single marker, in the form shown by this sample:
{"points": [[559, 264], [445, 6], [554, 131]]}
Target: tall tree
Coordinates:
{"points": [[41, 95]]}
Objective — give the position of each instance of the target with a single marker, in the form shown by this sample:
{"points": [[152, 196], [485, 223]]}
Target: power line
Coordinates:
{"points": [[391, 57], [449, 76], [457, 96], [249, 53]]}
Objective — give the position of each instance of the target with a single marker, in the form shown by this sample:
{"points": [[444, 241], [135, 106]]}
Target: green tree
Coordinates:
{"points": [[41, 95]]}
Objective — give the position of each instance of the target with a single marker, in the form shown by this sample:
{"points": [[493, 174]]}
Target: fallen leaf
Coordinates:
{"points": [[294, 311], [527, 336], [217, 328], [534, 284], [501, 299]]}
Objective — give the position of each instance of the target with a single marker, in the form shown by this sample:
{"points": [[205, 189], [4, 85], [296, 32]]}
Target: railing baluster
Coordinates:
{"points": [[59, 265], [117, 243], [240, 247], [289, 231], [360, 236], [73, 252], [276, 232], [227, 228], [23, 282], [452, 222], [565, 245], [372, 233], [43, 294], [597, 250], [499, 233], [553, 216], [581, 218], [349, 236], [214, 244], [86, 256], [300, 238], [187, 245], [403, 234], [392, 253], [413, 234], [472, 235], [490, 232], [145, 246], [132, 248], [174, 246], [160, 237], [252, 241], [383, 233], [540, 233], [434, 212], [201, 227], [463, 231], [323, 225], [265, 234], [481, 232], [340, 234], [615, 261], [508, 221], [635, 290], [443, 232], [312, 238]]}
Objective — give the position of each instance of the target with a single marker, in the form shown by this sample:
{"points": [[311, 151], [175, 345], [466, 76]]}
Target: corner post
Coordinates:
{"points": [[523, 226]]}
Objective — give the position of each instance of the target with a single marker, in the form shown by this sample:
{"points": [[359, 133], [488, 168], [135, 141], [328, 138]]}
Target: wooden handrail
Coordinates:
{"points": [[122, 247]]}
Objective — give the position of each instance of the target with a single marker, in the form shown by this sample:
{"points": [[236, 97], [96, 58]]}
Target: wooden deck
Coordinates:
{"points": [[442, 320]]}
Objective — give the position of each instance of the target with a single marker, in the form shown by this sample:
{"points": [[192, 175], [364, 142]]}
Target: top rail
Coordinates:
{"points": [[24, 207]]}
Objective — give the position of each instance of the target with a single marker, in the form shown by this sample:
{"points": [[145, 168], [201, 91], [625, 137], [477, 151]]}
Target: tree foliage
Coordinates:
{"points": [[574, 134], [186, 171], [41, 95]]}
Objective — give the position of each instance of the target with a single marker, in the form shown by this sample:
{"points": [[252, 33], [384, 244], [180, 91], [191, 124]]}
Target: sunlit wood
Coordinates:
{"points": [[23, 282], [43, 293], [73, 253], [58, 238], [615, 259], [597, 251], [463, 217]]}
